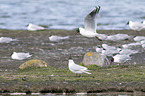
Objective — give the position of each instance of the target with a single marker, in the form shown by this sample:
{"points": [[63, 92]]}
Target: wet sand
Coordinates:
{"points": [[56, 54]]}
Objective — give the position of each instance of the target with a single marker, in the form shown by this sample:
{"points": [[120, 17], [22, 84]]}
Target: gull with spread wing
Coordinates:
{"points": [[90, 25]]}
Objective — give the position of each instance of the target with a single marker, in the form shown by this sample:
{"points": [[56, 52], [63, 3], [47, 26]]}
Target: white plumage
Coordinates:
{"points": [[109, 52], [33, 27], [137, 26], [117, 37], [105, 46], [128, 52], [130, 45], [139, 38], [77, 69], [57, 38], [90, 24], [6, 39], [121, 58], [20, 55]]}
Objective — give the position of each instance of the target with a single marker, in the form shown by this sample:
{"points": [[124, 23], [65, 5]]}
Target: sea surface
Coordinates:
{"points": [[69, 14]]}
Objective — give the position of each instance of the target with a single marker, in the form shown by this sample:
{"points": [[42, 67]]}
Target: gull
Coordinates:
{"points": [[117, 37], [6, 39], [57, 38], [139, 38], [77, 69], [20, 55], [109, 52], [33, 27], [126, 46], [136, 26], [105, 46], [90, 25], [121, 58], [128, 52]]}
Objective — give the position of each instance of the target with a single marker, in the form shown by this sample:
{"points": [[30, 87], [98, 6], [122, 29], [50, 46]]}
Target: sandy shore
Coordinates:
{"points": [[56, 54]]}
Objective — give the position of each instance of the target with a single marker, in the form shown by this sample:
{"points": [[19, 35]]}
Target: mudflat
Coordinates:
{"points": [[57, 77]]}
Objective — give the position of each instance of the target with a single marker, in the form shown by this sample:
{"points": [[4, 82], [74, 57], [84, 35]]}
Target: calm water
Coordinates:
{"points": [[69, 14]]}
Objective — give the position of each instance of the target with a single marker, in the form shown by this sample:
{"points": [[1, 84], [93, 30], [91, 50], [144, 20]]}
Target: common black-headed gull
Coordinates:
{"points": [[33, 27], [105, 46], [121, 58], [6, 39], [128, 52], [117, 37], [139, 38], [136, 26], [109, 52], [55, 38], [130, 45], [20, 55], [90, 24], [77, 69]]}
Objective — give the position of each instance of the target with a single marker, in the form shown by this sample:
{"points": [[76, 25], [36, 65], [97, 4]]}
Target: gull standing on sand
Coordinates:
{"points": [[105, 46], [136, 26], [77, 69], [55, 38], [33, 27], [130, 45], [139, 38], [128, 52], [6, 39], [90, 24], [121, 58], [20, 55], [118, 37]]}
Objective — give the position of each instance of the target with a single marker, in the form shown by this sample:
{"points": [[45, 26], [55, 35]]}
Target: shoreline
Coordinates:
{"points": [[128, 78]]}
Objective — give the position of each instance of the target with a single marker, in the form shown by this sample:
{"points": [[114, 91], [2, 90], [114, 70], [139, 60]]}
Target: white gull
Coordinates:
{"points": [[33, 27], [90, 24], [136, 26], [77, 69], [57, 38], [20, 55], [6, 39]]}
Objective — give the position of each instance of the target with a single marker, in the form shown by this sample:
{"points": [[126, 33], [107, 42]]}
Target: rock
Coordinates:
{"points": [[94, 58], [33, 63]]}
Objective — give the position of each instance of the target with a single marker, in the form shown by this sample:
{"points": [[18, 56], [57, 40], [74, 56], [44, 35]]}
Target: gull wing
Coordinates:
{"points": [[78, 67], [89, 21]]}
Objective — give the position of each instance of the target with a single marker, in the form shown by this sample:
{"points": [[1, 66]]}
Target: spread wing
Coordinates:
{"points": [[89, 20]]}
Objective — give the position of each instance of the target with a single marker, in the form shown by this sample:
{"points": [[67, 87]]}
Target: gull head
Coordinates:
{"points": [[79, 30], [27, 25], [127, 23]]}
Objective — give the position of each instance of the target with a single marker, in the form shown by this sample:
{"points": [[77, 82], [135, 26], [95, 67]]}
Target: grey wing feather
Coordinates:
{"points": [[89, 20], [78, 67]]}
